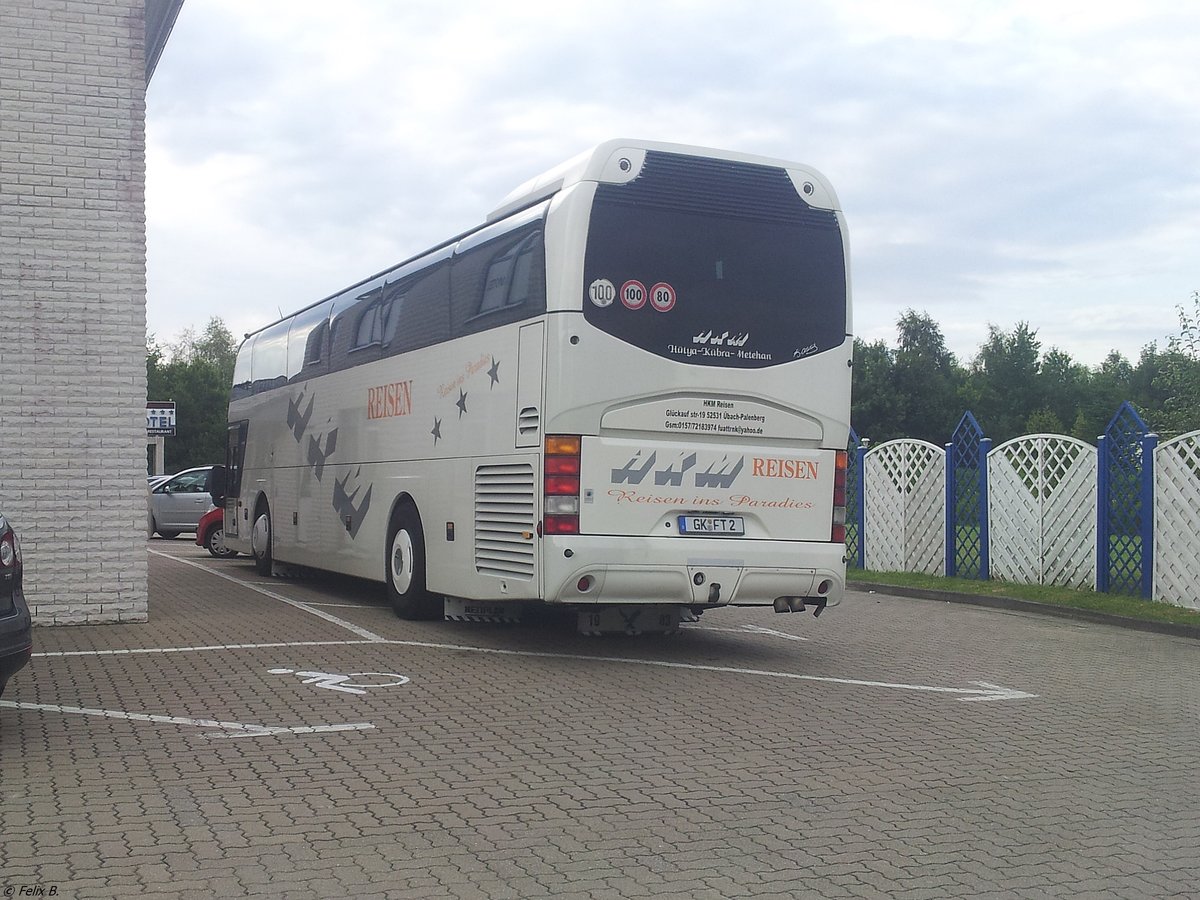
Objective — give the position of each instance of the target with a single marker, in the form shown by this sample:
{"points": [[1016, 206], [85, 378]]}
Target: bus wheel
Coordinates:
{"points": [[406, 566], [260, 541]]}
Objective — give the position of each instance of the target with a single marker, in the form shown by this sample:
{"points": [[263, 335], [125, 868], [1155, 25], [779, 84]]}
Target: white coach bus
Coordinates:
{"points": [[627, 392]]}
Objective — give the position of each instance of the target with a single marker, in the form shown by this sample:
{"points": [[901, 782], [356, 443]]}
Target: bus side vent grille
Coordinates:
{"points": [[505, 521], [528, 420]]}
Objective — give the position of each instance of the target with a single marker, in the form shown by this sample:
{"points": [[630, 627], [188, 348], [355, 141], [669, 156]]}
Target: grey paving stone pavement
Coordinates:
{"points": [[292, 738]]}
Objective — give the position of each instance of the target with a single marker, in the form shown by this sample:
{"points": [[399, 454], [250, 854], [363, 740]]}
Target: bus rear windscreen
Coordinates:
{"points": [[717, 263]]}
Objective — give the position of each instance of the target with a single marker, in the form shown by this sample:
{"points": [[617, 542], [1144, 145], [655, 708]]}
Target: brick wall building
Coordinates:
{"points": [[73, 301]]}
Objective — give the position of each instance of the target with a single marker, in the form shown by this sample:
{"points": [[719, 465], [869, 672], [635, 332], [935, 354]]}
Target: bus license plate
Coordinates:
{"points": [[711, 525]]}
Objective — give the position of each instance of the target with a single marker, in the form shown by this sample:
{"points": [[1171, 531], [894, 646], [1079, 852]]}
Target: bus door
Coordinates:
{"points": [[235, 457]]}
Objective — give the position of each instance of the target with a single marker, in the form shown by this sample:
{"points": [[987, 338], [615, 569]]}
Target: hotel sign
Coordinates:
{"points": [[160, 419]]}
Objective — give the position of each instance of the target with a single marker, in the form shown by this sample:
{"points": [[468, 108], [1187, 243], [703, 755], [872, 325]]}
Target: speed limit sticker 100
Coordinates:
{"points": [[633, 294], [602, 292]]}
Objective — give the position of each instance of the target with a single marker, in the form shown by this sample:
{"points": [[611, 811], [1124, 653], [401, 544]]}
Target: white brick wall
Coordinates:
{"points": [[73, 304]]}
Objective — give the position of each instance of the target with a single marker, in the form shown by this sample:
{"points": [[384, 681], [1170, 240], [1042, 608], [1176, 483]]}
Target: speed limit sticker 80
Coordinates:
{"points": [[662, 297]]}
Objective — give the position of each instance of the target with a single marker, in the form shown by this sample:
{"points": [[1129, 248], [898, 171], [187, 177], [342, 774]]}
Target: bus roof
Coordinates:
{"points": [[615, 161], [620, 160]]}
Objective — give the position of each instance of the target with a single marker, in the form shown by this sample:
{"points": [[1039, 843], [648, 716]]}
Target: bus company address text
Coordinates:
{"points": [[715, 417]]}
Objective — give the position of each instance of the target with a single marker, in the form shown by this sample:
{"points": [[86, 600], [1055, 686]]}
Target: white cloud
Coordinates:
{"points": [[998, 161]]}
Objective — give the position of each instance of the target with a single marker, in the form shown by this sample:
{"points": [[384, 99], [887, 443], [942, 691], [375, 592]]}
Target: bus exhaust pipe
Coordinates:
{"points": [[800, 604], [789, 604]]}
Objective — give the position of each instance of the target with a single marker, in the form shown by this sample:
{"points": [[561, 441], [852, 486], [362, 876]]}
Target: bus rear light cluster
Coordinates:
{"points": [[560, 484], [838, 532]]}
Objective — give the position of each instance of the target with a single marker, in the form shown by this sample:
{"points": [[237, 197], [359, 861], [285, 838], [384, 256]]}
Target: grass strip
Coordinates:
{"points": [[1051, 595]]}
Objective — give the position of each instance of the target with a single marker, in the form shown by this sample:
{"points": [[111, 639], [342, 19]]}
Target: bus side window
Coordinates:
{"points": [[498, 282], [420, 311], [352, 336], [242, 379], [268, 363], [314, 346], [367, 316], [508, 280], [394, 309], [308, 350]]}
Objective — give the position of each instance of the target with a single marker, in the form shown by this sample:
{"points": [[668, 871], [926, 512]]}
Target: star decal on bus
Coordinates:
{"points": [[437, 430], [494, 373], [461, 403]]}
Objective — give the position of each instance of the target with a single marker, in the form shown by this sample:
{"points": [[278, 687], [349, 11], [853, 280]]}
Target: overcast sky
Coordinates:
{"points": [[997, 162]]}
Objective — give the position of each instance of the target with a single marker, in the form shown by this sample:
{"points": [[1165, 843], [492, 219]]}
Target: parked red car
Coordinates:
{"points": [[210, 534]]}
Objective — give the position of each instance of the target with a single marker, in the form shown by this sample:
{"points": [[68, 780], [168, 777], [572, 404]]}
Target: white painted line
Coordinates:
{"points": [[986, 691], [138, 651], [343, 605], [758, 629], [336, 682], [349, 626], [297, 729], [751, 629], [983, 691], [242, 729]]}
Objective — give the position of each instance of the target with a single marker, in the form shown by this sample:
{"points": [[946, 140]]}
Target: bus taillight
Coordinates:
{"points": [[560, 484], [838, 534]]}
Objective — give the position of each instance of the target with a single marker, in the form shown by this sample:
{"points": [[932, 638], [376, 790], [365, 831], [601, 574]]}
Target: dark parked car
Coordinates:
{"points": [[16, 634]]}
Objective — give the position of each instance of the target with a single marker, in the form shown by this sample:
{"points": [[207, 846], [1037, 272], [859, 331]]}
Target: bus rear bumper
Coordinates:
{"points": [[595, 570]]}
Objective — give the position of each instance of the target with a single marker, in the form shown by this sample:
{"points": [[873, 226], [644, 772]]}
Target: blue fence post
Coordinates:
{"points": [[1103, 544], [1149, 443], [1121, 534], [861, 512], [985, 554], [966, 501], [951, 511]]}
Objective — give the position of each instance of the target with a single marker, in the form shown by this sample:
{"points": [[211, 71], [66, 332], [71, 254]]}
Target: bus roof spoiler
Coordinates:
{"points": [[601, 163]]}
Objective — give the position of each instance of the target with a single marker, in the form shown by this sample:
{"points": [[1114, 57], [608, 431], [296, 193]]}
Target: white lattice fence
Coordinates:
{"points": [[904, 491], [1042, 511], [1177, 521]]}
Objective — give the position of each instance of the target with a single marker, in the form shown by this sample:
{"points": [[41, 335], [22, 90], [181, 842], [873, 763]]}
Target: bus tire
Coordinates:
{"points": [[406, 566], [260, 540]]}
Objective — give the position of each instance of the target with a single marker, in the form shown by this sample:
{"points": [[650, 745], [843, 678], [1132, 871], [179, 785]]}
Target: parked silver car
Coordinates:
{"points": [[177, 504]]}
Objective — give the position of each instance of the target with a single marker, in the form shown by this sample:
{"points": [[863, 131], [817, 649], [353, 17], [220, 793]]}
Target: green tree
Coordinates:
{"points": [[1043, 421], [874, 412], [927, 380], [1178, 376], [1004, 386], [195, 372], [1064, 383], [1109, 386]]}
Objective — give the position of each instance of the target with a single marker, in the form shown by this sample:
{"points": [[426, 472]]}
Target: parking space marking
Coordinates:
{"points": [[344, 605], [138, 651], [328, 617], [747, 629], [334, 682], [983, 690], [238, 729]]}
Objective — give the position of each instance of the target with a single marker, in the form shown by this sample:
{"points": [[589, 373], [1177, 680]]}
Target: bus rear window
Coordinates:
{"points": [[715, 263]]}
